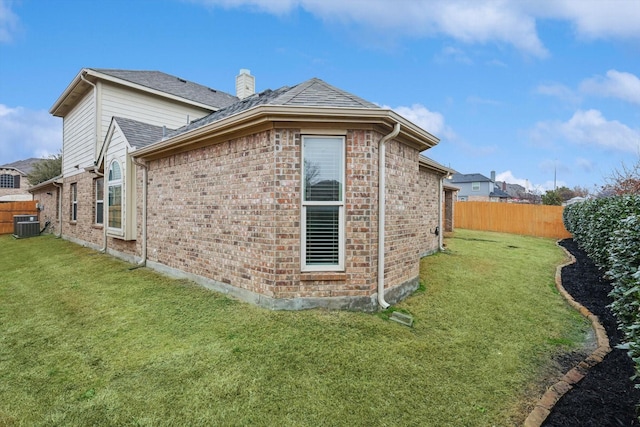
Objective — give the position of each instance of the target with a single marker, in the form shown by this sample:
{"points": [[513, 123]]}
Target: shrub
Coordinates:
{"points": [[608, 230]]}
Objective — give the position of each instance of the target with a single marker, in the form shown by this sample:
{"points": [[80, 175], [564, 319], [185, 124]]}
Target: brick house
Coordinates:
{"points": [[14, 185], [270, 197]]}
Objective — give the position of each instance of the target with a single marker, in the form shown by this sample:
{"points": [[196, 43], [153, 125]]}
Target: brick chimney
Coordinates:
{"points": [[245, 84]]}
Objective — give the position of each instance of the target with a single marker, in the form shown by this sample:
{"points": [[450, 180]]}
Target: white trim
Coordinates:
{"points": [[341, 210], [115, 231]]}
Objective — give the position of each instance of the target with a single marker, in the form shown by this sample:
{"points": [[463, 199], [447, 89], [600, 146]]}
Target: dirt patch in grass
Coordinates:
{"points": [[606, 396]]}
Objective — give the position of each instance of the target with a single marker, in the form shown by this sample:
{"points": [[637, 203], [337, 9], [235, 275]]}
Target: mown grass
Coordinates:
{"points": [[84, 340]]}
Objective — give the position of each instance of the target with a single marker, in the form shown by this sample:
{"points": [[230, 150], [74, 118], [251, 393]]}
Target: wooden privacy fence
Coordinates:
{"points": [[530, 220], [9, 209]]}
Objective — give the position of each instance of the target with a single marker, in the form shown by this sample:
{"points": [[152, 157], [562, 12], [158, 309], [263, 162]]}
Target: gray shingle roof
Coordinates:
{"points": [[173, 85], [139, 134], [468, 177], [311, 93], [499, 193], [25, 166]]}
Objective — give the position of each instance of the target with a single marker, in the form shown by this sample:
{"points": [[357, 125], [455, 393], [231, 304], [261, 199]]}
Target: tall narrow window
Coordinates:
{"points": [[323, 203], [99, 189], [74, 202], [115, 195]]}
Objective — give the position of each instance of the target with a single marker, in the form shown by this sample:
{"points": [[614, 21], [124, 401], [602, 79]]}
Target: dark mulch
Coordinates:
{"points": [[606, 396]]}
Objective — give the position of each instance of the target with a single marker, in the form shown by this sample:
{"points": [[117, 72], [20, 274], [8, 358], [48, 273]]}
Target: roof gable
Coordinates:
{"points": [[139, 134], [153, 82], [311, 93], [317, 93], [459, 178], [173, 85]]}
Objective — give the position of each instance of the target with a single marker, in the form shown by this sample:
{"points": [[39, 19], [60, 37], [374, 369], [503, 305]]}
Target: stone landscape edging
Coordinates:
{"points": [[575, 375]]}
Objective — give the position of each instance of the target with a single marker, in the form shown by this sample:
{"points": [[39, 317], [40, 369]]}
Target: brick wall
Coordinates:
{"points": [[47, 198], [211, 212], [429, 184], [85, 229], [231, 212], [403, 215]]}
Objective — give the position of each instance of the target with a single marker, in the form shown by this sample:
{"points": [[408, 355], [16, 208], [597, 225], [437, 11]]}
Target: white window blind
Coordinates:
{"points": [[323, 203]]}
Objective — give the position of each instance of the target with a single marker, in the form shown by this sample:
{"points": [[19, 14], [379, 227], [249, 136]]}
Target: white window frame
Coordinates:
{"points": [[475, 186], [99, 201], [74, 201], [341, 209], [114, 183]]}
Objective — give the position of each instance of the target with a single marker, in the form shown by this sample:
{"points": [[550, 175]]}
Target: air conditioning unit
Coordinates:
{"points": [[26, 226]]}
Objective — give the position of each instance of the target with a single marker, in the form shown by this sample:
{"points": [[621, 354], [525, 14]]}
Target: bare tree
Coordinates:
{"points": [[626, 179]]}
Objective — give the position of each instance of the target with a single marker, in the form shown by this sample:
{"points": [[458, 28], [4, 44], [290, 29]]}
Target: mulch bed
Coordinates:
{"points": [[606, 396]]}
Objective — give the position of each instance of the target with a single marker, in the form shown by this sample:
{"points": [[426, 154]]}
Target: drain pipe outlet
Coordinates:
{"points": [[143, 255], [381, 211]]}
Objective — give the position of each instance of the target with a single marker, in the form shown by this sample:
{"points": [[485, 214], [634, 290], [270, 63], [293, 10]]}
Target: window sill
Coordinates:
{"points": [[73, 222], [98, 226], [323, 276]]}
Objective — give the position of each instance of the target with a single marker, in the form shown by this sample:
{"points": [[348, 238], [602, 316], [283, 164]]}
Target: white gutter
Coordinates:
{"points": [[381, 211], [59, 187], [440, 202], [143, 255]]}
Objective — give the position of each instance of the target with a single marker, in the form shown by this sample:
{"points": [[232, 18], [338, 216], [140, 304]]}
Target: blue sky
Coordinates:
{"points": [[526, 88]]}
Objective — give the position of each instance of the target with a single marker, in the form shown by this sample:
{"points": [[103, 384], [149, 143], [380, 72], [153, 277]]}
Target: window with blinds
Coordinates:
{"points": [[323, 203]]}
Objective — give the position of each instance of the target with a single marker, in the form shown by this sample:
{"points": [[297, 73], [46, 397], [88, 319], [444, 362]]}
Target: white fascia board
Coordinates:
{"points": [[278, 113]]}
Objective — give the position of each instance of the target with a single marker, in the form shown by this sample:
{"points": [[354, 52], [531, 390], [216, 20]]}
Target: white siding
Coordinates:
{"points": [[78, 136], [121, 102]]}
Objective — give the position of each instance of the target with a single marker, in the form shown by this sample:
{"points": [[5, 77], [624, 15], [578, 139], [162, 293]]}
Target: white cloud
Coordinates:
{"points": [[593, 19], [8, 22], [584, 164], [559, 91], [510, 22], [616, 84], [28, 133], [454, 54], [431, 121], [510, 178], [590, 128]]}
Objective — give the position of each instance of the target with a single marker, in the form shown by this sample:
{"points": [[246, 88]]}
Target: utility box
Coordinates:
{"points": [[26, 226]]}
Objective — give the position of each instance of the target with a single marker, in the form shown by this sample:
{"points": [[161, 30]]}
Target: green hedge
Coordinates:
{"points": [[608, 230]]}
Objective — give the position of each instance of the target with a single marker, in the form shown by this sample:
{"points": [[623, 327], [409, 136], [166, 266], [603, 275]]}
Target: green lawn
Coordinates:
{"points": [[85, 341]]}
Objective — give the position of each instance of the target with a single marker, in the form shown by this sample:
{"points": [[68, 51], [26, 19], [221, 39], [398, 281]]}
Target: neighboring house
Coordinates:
{"points": [[476, 187], [275, 198], [14, 185]]}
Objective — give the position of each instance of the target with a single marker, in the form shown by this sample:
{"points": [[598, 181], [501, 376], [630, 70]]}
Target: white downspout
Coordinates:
{"points": [[440, 202], [381, 211], [143, 255], [59, 187], [104, 186]]}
